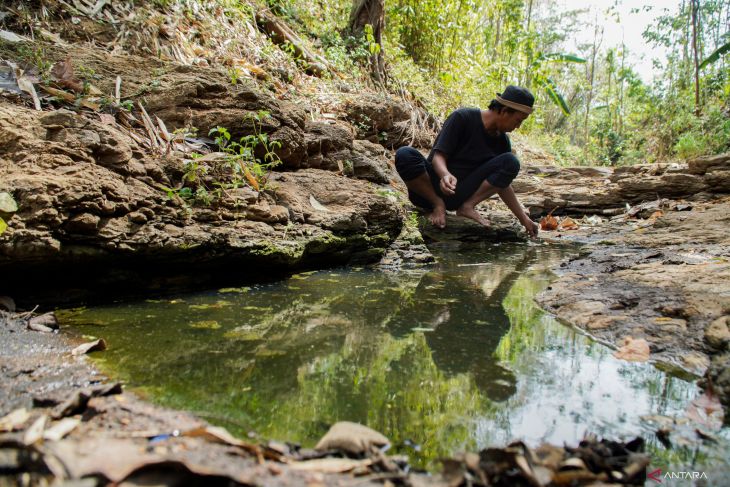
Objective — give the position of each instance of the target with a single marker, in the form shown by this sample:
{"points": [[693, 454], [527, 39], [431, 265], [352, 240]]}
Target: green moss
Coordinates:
{"points": [[283, 252], [326, 243]]}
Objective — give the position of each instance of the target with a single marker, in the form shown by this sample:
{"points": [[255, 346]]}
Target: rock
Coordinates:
{"points": [[353, 438], [465, 230], [62, 118], [701, 165], [323, 137], [369, 162], [137, 217], [717, 334], [373, 114], [83, 223], [719, 376]]}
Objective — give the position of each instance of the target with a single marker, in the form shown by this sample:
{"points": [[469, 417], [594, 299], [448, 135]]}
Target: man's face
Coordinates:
{"points": [[511, 120]]}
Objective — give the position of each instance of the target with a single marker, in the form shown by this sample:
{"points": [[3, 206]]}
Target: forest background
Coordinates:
{"points": [[593, 107]]}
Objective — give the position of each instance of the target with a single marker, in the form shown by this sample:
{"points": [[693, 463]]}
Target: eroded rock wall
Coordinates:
{"points": [[97, 214]]}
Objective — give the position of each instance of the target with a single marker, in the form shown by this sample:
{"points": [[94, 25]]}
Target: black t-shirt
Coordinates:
{"points": [[466, 144]]}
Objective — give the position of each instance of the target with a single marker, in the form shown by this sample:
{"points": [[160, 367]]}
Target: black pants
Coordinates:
{"points": [[498, 171]]}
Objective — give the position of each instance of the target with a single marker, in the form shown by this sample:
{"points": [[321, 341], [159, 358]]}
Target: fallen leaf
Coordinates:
{"points": [[27, 85], [8, 36], [549, 222], [45, 322], [63, 74], [316, 204], [568, 224], [35, 433], [656, 215], [215, 434], [14, 420], [76, 403], [61, 429], [330, 465], [633, 350], [95, 346], [351, 437]]}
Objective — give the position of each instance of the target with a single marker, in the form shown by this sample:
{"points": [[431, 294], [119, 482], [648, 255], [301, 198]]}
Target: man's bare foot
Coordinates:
{"points": [[438, 216], [472, 213]]}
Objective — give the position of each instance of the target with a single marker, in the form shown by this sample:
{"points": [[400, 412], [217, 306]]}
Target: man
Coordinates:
{"points": [[470, 161]]}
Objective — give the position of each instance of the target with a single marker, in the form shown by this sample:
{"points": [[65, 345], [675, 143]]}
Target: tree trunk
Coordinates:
{"points": [[370, 12], [695, 21]]}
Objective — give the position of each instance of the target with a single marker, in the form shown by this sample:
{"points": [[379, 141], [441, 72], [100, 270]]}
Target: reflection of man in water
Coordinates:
{"points": [[467, 324]]}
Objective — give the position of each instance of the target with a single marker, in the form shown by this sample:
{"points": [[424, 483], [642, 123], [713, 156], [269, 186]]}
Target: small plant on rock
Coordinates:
{"points": [[241, 157]]}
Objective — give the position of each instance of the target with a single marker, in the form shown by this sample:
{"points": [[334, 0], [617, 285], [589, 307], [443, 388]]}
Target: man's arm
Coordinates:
{"points": [[510, 199], [447, 181]]}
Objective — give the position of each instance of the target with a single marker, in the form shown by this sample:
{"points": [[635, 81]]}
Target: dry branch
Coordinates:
{"points": [[281, 34]]}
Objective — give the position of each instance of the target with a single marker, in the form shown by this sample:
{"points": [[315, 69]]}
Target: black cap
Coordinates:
{"points": [[517, 94]]}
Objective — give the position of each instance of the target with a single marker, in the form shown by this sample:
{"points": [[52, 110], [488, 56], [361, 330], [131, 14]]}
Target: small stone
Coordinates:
{"points": [[83, 223], [717, 334]]}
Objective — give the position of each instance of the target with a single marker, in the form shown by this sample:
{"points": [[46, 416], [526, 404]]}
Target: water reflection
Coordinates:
{"points": [[452, 357], [459, 306]]}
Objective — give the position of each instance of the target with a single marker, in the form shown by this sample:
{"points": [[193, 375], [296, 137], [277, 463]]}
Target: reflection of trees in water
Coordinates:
{"points": [[463, 308], [328, 346]]}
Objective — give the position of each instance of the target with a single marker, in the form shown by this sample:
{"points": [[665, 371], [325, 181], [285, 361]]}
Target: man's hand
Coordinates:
{"points": [[531, 227], [448, 184]]}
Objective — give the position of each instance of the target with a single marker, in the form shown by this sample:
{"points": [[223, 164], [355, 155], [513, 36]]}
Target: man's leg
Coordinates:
{"points": [[468, 207], [487, 180], [411, 167]]}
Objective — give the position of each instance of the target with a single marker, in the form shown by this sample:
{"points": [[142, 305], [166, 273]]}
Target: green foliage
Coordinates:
{"points": [[716, 55], [248, 168], [247, 162]]}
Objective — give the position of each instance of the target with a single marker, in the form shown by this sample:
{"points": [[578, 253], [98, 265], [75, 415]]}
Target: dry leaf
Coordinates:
{"points": [[549, 222], [95, 346], [568, 224], [26, 85], [14, 420], [61, 429], [46, 322], [63, 74], [330, 465], [35, 432], [70, 98], [215, 434], [316, 204], [633, 350]]}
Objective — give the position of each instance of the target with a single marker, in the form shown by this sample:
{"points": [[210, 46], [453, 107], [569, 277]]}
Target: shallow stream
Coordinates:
{"points": [[441, 359]]}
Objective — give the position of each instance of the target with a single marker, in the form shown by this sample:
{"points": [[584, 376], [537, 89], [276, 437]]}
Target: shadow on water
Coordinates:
{"points": [[451, 357]]}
